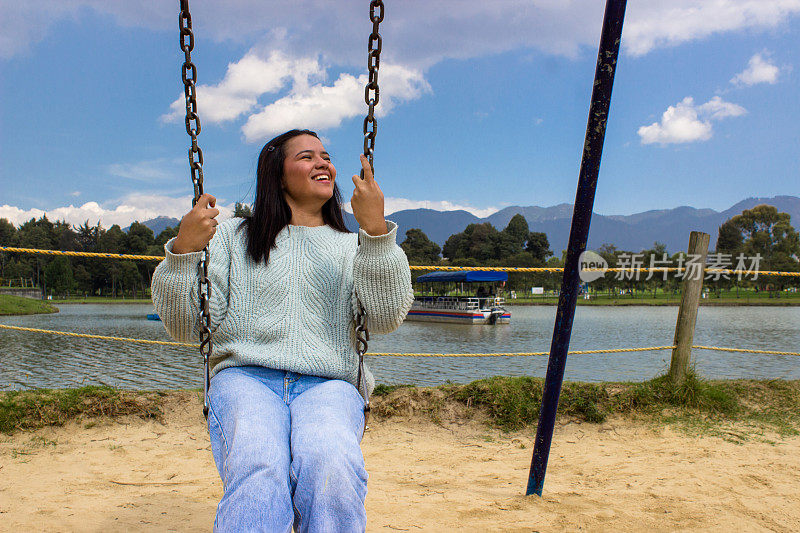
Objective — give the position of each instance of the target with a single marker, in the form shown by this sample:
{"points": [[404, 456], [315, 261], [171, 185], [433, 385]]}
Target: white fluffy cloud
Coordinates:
{"points": [[653, 24], [326, 106], [417, 33], [309, 102], [717, 108], [134, 207], [143, 207], [759, 70], [686, 122], [244, 82], [392, 205]]}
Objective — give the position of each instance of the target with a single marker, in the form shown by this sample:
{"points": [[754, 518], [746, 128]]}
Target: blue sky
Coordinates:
{"points": [[485, 103]]}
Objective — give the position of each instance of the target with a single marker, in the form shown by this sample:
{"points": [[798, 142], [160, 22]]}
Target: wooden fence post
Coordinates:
{"points": [[694, 272]]}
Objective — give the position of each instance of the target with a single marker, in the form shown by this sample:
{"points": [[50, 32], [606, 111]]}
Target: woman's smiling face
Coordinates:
{"points": [[308, 174]]}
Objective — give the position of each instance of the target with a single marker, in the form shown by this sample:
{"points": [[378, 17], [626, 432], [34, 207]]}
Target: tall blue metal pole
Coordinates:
{"points": [[579, 234]]}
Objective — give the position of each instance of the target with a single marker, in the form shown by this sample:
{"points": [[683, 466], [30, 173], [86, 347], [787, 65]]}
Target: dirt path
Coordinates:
{"points": [[134, 475]]}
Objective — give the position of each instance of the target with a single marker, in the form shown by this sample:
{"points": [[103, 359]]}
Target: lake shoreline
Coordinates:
{"points": [[508, 403], [11, 305], [100, 301], [667, 303], [788, 302]]}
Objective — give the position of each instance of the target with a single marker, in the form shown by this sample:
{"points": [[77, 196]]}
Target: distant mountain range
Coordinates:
{"points": [[158, 224], [627, 232]]}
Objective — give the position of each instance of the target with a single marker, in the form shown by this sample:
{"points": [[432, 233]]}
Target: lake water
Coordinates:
{"points": [[29, 360]]}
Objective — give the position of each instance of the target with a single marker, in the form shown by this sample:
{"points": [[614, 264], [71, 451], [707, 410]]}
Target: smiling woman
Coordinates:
{"points": [[287, 391], [308, 178], [296, 186], [287, 379]]}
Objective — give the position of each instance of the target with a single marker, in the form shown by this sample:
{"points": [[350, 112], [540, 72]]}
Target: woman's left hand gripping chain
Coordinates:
{"points": [[367, 201]]}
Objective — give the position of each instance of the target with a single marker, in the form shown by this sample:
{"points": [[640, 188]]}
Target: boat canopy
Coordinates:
{"points": [[470, 276]]}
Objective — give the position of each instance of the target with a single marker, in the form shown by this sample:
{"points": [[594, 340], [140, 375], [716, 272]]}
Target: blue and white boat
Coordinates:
{"points": [[481, 309]]}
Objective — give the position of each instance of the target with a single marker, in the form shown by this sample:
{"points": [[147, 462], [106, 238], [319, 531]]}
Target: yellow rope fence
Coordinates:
{"points": [[100, 337], [100, 255], [103, 255], [392, 354], [521, 354], [610, 269], [744, 350]]}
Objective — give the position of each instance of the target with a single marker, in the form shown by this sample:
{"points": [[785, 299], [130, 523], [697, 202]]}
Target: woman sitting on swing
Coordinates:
{"points": [[286, 410]]}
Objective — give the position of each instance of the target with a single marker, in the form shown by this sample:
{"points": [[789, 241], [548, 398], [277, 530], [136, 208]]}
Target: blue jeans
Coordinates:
{"points": [[287, 447]]}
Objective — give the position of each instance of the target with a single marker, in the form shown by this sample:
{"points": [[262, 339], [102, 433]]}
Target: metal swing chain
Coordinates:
{"points": [[371, 98], [189, 77], [362, 336], [372, 92]]}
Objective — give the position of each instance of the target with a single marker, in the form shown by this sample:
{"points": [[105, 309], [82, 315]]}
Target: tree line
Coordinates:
{"points": [[60, 275], [761, 231], [484, 245]]}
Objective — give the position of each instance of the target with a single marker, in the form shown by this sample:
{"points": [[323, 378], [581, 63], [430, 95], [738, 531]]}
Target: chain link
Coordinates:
{"points": [[362, 338], [362, 333], [372, 93], [189, 78]]}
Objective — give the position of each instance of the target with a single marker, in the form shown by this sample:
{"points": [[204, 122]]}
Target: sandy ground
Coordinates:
{"points": [[129, 474]]}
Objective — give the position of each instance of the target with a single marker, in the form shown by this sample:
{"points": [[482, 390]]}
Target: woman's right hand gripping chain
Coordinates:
{"points": [[197, 226]]}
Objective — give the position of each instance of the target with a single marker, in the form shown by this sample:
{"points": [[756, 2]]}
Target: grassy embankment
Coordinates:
{"points": [[102, 300], [17, 305], [623, 301], [711, 407], [735, 410], [723, 298]]}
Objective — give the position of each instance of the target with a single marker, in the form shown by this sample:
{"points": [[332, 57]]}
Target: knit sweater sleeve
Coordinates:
{"points": [[175, 286], [382, 280]]}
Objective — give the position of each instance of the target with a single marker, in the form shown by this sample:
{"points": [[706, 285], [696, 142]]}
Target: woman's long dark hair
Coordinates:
{"points": [[271, 212]]}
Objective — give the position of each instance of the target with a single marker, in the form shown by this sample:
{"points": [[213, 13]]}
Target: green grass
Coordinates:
{"points": [[17, 305], [707, 397], [46, 407], [734, 410], [102, 300], [384, 390], [514, 403], [725, 298]]}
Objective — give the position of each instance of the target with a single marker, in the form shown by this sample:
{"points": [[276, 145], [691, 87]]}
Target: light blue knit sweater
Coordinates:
{"points": [[297, 313]]}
